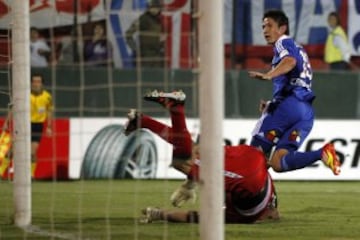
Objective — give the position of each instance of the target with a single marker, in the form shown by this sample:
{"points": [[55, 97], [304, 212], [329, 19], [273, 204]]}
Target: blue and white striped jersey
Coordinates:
{"points": [[298, 81]]}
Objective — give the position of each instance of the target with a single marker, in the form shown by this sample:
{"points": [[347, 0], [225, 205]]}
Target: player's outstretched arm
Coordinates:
{"points": [[285, 66], [152, 214], [186, 192], [259, 75]]}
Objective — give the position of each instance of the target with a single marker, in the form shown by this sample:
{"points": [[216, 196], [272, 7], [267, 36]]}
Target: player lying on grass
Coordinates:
{"points": [[249, 189]]}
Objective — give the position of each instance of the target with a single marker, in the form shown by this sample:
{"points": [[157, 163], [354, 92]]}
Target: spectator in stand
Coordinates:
{"points": [[149, 49], [39, 50], [337, 49], [98, 50], [65, 49]]}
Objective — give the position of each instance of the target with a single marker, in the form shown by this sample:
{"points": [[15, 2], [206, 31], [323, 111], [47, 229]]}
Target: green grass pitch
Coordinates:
{"points": [[109, 209]]}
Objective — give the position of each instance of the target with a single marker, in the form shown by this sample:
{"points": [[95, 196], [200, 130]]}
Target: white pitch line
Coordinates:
{"points": [[37, 230]]}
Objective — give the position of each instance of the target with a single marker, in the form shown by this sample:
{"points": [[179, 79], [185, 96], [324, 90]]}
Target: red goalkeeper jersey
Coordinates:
{"points": [[248, 185]]}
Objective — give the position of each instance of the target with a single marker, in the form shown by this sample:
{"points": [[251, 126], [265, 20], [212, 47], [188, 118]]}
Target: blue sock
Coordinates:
{"points": [[297, 160], [257, 142]]}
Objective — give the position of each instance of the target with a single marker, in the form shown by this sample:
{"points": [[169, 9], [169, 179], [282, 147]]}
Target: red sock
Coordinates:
{"points": [[160, 129], [178, 135], [181, 137]]}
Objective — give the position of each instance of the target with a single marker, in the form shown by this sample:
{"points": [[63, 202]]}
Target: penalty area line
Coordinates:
{"points": [[37, 230]]}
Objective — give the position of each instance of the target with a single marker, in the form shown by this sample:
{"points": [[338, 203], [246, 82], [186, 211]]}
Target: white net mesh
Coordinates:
{"points": [[94, 76], [91, 181]]}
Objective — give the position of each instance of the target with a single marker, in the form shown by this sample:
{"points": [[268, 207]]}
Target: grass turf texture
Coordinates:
{"points": [[110, 210]]}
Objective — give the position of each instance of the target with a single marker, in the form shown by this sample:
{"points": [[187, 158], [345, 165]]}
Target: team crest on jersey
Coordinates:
{"points": [[272, 136], [294, 136]]}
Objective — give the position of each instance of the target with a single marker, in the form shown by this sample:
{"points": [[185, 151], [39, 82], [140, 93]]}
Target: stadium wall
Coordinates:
{"points": [[86, 93], [83, 107], [308, 24]]}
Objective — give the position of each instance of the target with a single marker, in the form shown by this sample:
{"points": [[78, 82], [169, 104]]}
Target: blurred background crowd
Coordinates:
{"points": [[163, 33]]}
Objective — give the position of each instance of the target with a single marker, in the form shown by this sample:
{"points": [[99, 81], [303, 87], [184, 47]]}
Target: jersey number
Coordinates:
{"points": [[307, 72]]}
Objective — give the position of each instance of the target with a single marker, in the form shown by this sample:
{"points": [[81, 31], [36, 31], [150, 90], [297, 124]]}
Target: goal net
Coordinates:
{"points": [[97, 59]]}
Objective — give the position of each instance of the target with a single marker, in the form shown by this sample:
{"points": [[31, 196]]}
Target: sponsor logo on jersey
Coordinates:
{"points": [[294, 136], [272, 136]]}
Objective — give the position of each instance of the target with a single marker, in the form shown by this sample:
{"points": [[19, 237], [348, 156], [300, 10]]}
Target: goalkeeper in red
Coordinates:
{"points": [[249, 189]]}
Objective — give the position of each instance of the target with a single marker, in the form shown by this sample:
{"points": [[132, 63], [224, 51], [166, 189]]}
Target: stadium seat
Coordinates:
{"points": [[314, 50], [227, 63], [244, 51], [355, 60], [318, 64], [256, 64], [257, 51], [4, 51], [239, 50]]}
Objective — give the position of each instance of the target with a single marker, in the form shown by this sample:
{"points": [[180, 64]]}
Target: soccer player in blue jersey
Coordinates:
{"points": [[288, 118]]}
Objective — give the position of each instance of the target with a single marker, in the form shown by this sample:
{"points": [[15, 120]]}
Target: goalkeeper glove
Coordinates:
{"points": [[184, 193]]}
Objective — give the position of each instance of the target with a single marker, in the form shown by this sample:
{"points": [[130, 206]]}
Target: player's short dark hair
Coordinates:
{"points": [[154, 3], [37, 75], [336, 15], [279, 17]]}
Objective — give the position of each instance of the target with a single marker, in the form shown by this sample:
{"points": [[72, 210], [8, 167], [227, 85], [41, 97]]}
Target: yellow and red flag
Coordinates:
{"points": [[5, 146]]}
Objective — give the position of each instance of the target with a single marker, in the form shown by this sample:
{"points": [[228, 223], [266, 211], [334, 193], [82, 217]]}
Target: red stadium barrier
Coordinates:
{"points": [[53, 154], [259, 57]]}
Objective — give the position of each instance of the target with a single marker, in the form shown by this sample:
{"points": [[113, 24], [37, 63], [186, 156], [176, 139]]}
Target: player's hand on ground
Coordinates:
{"points": [[186, 192]]}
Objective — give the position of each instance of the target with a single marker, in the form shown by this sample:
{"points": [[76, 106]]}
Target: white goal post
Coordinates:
{"points": [[21, 112], [211, 115], [211, 97]]}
